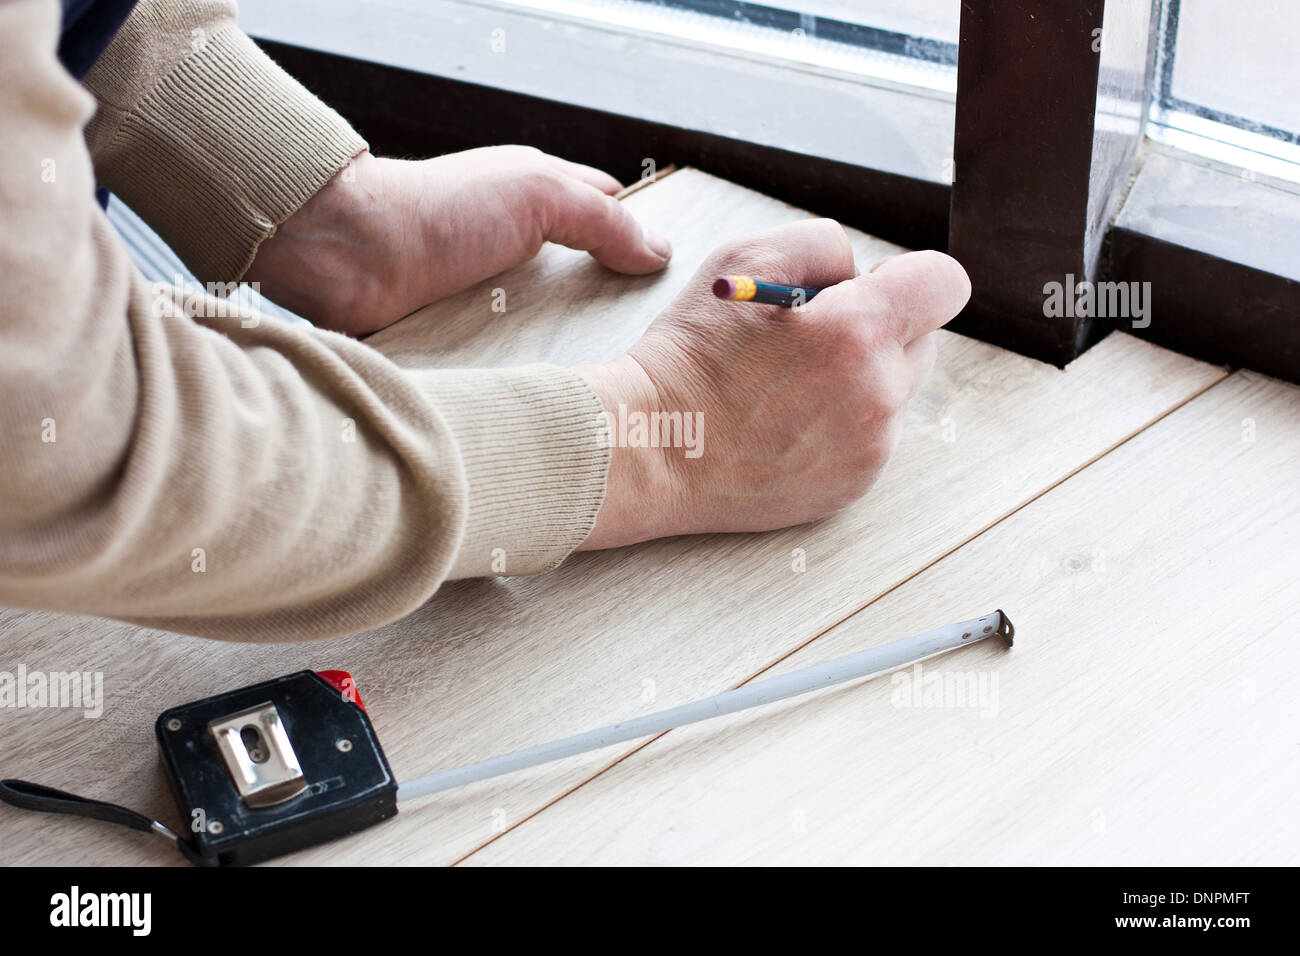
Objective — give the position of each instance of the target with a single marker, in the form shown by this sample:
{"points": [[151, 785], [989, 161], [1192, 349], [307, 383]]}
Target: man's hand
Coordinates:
{"points": [[801, 407], [385, 236]]}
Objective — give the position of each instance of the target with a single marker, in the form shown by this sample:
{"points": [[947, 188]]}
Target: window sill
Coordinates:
{"points": [[653, 78]]}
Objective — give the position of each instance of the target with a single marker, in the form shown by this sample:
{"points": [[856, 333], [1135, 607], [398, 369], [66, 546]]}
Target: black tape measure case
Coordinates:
{"points": [[275, 767]]}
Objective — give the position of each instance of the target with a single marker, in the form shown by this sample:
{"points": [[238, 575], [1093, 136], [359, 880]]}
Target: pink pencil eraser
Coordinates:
{"points": [[724, 287]]}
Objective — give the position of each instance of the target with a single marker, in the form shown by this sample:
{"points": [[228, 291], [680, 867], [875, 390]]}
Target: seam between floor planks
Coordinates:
{"points": [[645, 181], [894, 587]]}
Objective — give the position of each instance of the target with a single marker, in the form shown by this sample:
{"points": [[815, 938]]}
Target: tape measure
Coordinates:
{"points": [[294, 762]]}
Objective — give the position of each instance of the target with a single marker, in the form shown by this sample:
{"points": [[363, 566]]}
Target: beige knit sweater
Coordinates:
{"points": [[215, 476]]}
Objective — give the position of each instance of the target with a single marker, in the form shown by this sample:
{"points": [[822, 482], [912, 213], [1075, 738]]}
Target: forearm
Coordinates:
{"points": [[205, 137]]}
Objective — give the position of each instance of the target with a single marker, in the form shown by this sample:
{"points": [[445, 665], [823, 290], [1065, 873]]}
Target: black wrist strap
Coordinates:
{"points": [[33, 796]]}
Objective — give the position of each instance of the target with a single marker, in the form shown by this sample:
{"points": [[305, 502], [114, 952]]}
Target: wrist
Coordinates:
{"points": [[314, 263], [640, 494]]}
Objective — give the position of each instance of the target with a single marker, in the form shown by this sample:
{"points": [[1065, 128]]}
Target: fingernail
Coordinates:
{"points": [[658, 243]]}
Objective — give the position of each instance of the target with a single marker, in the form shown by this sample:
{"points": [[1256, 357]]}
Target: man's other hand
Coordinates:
{"points": [[386, 236]]}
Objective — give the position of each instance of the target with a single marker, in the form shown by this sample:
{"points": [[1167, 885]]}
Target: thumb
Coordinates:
{"points": [[581, 216]]}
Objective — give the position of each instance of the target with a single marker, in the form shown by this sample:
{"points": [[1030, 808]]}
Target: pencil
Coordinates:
{"points": [[749, 289]]}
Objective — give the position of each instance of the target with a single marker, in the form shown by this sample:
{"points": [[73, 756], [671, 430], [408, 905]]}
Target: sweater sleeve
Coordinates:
{"points": [[182, 465], [205, 137]]}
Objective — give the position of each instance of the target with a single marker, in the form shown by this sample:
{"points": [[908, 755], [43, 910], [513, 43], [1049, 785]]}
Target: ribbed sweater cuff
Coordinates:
{"points": [[223, 149], [531, 442]]}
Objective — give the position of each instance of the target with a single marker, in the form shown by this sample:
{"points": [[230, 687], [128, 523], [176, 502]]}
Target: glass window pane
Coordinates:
{"points": [[1226, 83], [895, 43], [933, 19], [1238, 57]]}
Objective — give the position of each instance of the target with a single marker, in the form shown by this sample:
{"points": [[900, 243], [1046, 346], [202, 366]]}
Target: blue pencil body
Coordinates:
{"points": [[748, 289]]}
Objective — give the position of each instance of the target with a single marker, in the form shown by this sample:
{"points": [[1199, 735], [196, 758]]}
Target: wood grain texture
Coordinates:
{"points": [[1146, 715], [492, 665]]}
